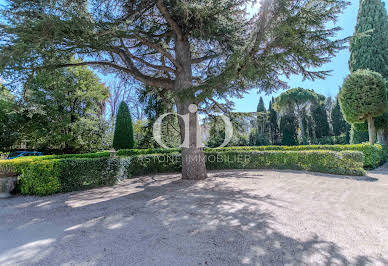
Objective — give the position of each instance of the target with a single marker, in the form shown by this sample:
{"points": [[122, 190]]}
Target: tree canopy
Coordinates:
{"points": [[296, 101], [63, 110], [202, 51], [369, 46], [363, 96]]}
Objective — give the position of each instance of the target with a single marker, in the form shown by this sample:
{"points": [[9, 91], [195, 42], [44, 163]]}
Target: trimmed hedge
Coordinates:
{"points": [[343, 163], [48, 177], [374, 156], [134, 152]]}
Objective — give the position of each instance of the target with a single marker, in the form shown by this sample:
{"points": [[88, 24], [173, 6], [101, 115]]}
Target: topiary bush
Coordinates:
{"points": [[363, 96]]}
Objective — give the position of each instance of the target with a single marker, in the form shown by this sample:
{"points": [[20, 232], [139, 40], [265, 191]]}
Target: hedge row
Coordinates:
{"points": [[374, 156], [343, 163], [46, 177]]}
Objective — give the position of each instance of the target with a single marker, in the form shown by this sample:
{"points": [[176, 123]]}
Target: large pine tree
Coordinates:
{"points": [[369, 46], [200, 51], [123, 136]]}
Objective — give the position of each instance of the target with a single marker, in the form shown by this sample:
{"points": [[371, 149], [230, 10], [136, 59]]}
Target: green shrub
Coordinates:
{"points": [[373, 155], [332, 140], [40, 178], [46, 177], [343, 163], [79, 174], [154, 163], [134, 152]]}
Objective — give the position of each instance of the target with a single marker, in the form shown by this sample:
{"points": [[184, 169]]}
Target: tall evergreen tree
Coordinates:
{"points": [[273, 124], [261, 106], [288, 128], [340, 126], [200, 51], [369, 46], [297, 101], [123, 136], [321, 123]]}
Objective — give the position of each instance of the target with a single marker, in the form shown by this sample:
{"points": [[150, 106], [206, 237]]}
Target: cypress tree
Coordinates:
{"points": [[322, 128], [340, 126], [123, 136], [261, 106], [273, 123], [288, 128], [369, 46]]}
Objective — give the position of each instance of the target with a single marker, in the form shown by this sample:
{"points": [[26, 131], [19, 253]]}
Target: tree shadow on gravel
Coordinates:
{"points": [[160, 220]]}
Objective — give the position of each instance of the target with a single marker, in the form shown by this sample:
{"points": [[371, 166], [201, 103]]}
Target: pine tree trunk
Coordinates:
{"points": [[371, 130], [193, 157], [302, 132]]}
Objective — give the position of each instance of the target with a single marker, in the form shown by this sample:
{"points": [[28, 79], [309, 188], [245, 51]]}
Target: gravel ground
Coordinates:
{"points": [[233, 218]]}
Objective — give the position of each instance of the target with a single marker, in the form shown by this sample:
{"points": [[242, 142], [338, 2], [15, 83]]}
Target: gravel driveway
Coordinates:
{"points": [[233, 218]]}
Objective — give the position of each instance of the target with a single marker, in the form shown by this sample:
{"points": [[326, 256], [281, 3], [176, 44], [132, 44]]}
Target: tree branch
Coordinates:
{"points": [[158, 67], [137, 74], [160, 49], [203, 58], [170, 21]]}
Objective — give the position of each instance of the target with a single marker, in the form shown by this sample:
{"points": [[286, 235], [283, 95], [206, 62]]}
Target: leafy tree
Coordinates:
{"points": [[321, 123], [63, 110], [363, 97], [123, 136], [340, 126], [155, 106], [200, 52], [288, 128], [296, 100], [8, 119], [369, 46]]}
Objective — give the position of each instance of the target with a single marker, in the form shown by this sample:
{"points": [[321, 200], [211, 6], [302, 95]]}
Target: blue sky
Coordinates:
{"points": [[328, 86]]}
